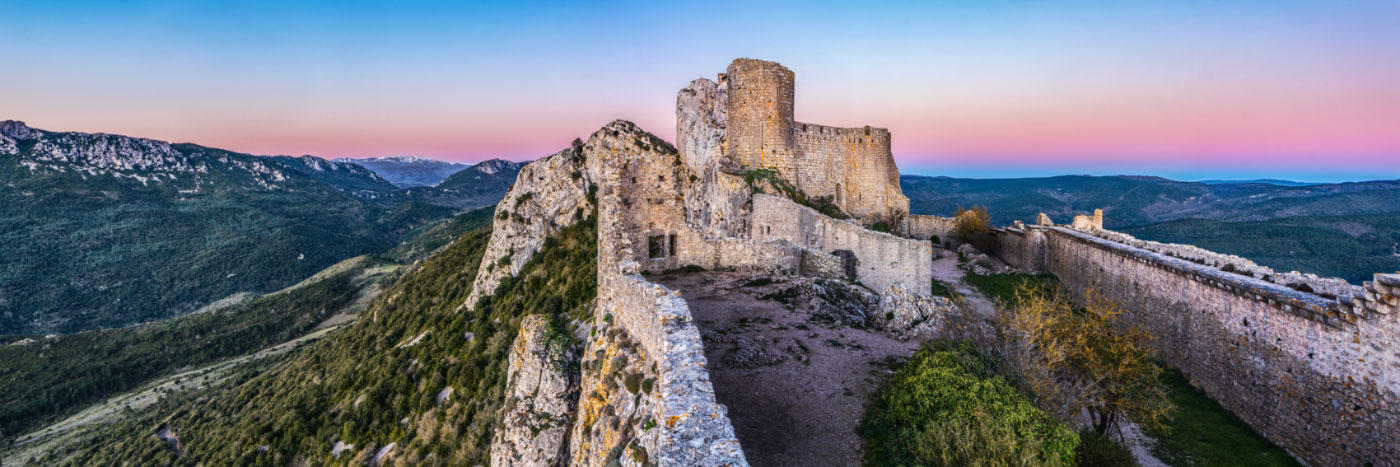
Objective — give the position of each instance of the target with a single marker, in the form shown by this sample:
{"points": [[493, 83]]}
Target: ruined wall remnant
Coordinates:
{"points": [[926, 227], [884, 260], [1319, 376], [646, 332]]}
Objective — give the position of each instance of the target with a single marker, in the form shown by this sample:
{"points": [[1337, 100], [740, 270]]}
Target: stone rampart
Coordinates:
{"points": [[1318, 376], [1021, 249], [692, 428], [925, 227], [1326, 286], [882, 260]]}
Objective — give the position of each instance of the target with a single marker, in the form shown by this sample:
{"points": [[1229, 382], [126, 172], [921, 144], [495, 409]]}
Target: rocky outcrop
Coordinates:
{"points": [[909, 314], [17, 130], [541, 393], [700, 112], [548, 195], [619, 411]]}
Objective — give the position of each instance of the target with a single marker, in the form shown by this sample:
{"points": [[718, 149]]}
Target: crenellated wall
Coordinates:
{"points": [[1319, 377], [883, 260]]}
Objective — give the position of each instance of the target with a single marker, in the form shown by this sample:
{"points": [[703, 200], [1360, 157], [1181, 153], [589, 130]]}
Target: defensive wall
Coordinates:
{"points": [[1317, 375], [693, 428], [925, 227], [880, 260]]}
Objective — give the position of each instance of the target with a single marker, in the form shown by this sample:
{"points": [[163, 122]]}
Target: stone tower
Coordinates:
{"points": [[756, 128], [760, 115]]}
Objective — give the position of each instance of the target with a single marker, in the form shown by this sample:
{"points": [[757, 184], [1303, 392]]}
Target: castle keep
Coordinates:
{"points": [[852, 166]]}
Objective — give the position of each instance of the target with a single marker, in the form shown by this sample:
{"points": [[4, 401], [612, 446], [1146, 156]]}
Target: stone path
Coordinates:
{"points": [[795, 388]]}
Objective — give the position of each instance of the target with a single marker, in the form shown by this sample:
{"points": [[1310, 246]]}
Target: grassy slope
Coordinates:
{"points": [[357, 385], [1205, 434]]}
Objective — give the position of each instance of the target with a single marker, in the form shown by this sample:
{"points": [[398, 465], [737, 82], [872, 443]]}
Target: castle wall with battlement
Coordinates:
{"points": [[1316, 376]]}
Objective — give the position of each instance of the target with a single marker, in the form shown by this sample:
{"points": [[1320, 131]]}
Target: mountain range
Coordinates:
{"points": [[408, 171], [103, 230]]}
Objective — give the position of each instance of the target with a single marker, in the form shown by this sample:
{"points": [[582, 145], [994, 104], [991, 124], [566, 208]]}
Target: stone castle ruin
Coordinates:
{"points": [[749, 188]]}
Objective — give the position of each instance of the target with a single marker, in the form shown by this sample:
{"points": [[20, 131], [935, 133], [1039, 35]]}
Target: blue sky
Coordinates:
{"points": [[1184, 89]]}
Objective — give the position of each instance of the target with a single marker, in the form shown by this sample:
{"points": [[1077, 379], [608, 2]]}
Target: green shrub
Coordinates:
{"points": [[1097, 450], [979, 440], [947, 394]]}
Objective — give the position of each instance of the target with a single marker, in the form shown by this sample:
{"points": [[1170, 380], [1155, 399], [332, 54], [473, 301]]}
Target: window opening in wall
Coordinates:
{"points": [[671, 244], [656, 246]]}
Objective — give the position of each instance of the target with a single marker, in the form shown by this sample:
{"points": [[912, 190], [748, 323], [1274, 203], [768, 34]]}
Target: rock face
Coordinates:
{"points": [[716, 202], [542, 390], [619, 411], [14, 129], [548, 195], [908, 314]]}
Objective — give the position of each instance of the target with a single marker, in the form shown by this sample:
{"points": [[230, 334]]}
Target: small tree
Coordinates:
{"points": [[974, 226], [1081, 358]]}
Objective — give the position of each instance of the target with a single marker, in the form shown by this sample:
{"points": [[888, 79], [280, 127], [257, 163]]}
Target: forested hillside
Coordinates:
{"points": [[415, 377], [53, 376], [103, 231], [1350, 247]]}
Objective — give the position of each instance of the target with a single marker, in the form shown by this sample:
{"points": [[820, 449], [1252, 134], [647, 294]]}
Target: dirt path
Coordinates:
{"points": [[946, 270], [796, 389]]}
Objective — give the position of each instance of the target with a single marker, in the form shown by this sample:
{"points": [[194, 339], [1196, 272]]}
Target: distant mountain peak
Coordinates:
{"points": [[16, 129], [492, 166]]}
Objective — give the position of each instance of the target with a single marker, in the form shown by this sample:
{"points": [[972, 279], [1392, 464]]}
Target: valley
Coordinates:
{"points": [[105, 231]]}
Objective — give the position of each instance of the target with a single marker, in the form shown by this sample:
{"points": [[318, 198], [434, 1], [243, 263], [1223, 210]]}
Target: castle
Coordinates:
{"points": [[749, 188]]}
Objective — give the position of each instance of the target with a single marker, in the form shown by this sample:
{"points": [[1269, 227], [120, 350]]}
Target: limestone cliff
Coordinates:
{"points": [[542, 390], [717, 200], [548, 195]]}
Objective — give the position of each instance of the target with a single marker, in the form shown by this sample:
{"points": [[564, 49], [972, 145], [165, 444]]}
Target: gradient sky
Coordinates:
{"points": [[1184, 89]]}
